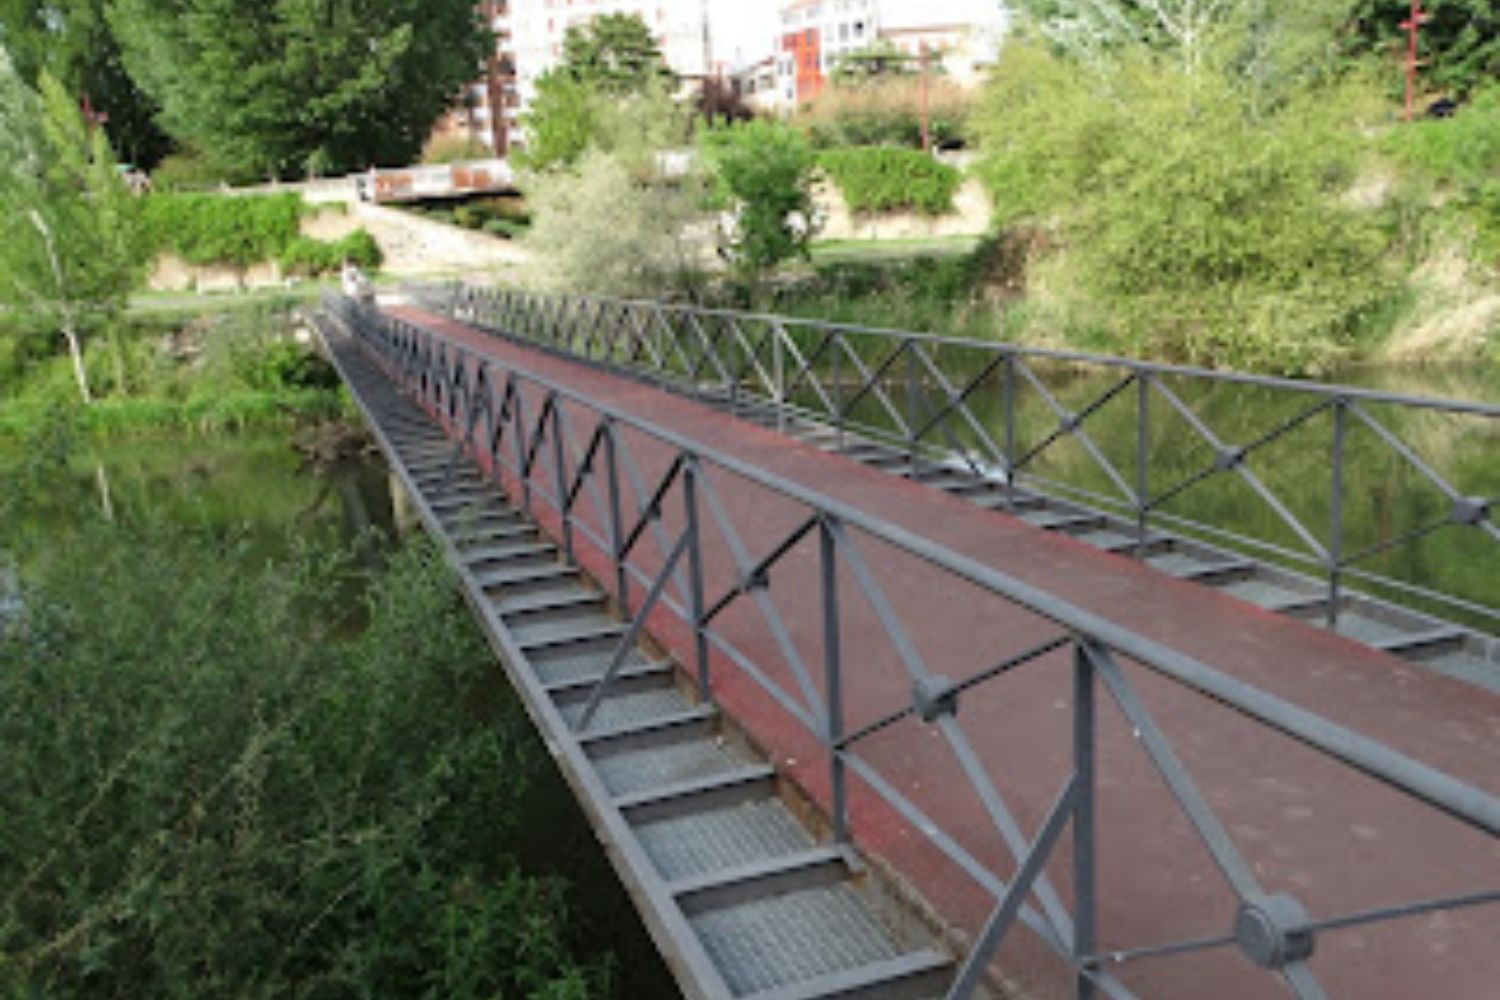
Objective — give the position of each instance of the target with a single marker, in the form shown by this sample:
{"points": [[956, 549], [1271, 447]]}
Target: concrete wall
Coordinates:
{"points": [[413, 246]]}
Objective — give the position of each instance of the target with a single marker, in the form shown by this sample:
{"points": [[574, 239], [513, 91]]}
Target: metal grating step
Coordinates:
{"points": [[1467, 667], [773, 942], [522, 602], [696, 843], [553, 621], [674, 764], [631, 709], [562, 667]]}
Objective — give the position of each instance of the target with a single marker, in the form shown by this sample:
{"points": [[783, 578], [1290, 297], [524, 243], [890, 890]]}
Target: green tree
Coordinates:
{"points": [[1459, 46], [72, 40], [764, 172], [1195, 221], [286, 86], [1274, 41], [74, 249], [878, 60], [609, 58], [559, 124], [613, 54], [628, 217]]}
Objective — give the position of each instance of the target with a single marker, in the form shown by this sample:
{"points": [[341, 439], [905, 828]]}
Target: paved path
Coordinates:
{"points": [[1333, 838]]}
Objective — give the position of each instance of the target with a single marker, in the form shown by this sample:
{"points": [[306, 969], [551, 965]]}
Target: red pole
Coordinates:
{"points": [[1413, 28]]}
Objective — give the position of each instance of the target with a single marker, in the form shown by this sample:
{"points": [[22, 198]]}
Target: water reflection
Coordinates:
{"points": [[1391, 521]]}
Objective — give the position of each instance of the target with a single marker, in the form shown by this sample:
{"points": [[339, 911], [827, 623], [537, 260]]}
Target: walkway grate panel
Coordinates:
{"points": [[676, 763], [685, 846], [767, 943]]}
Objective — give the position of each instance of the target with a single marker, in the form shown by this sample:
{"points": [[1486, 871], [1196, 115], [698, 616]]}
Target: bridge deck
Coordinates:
{"points": [[1336, 840]]}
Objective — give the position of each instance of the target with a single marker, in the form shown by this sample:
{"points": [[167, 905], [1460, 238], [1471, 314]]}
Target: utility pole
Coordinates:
{"points": [[1413, 28]]}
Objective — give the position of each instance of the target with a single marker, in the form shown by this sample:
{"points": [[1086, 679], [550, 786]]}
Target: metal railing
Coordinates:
{"points": [[1151, 443], [578, 466]]}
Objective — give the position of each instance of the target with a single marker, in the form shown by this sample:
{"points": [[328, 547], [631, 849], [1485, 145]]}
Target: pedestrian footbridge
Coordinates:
{"points": [[869, 693]]}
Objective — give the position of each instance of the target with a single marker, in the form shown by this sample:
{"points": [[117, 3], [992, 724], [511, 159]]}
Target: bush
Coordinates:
{"points": [[887, 113], [213, 229], [1196, 225], [308, 257], [239, 802], [888, 179], [764, 171], [1462, 156], [600, 229], [188, 172]]}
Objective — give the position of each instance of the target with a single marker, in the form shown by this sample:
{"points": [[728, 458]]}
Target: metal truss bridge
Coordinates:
{"points": [[894, 666]]}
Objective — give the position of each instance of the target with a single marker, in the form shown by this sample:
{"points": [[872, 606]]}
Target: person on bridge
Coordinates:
{"points": [[355, 285]]}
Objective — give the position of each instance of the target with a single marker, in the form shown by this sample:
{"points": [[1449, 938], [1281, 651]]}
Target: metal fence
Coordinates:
{"points": [[1309, 465], [556, 452]]}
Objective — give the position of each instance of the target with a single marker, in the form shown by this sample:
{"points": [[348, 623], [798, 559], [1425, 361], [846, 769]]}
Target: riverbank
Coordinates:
{"points": [[203, 365], [994, 289]]}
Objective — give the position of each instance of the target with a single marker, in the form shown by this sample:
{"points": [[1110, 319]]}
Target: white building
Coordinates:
{"points": [[538, 27], [812, 35]]}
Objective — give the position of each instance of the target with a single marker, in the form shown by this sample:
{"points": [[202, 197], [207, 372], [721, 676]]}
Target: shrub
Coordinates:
{"points": [[887, 112], [188, 172], [309, 257], [601, 229], [888, 179], [764, 171], [214, 229], [1462, 156], [1196, 224], [240, 801]]}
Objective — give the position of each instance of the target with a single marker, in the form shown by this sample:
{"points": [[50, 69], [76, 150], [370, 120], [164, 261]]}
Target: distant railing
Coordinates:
{"points": [[1338, 482], [578, 463]]}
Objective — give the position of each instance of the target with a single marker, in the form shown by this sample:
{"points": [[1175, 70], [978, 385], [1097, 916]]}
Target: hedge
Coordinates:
{"points": [[890, 179], [217, 229], [307, 256], [239, 231]]}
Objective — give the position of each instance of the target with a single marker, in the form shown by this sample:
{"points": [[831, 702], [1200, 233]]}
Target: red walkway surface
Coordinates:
{"points": [[1308, 826]]}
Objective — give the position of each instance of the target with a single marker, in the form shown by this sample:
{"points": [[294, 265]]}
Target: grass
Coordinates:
{"points": [[847, 251]]}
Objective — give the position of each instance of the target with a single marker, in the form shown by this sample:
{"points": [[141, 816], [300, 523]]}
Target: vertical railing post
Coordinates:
{"points": [[778, 373], [695, 576], [838, 388], [1336, 512], [519, 421], [616, 527], [833, 680], [1084, 918], [1142, 460], [1010, 431], [911, 404], [560, 477]]}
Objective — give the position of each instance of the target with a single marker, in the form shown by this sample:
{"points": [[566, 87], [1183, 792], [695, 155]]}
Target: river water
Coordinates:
{"points": [[1385, 497]]}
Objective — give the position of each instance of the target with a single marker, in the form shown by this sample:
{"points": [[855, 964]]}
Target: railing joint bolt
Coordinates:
{"points": [[934, 697], [1229, 458], [1273, 931], [1470, 510]]}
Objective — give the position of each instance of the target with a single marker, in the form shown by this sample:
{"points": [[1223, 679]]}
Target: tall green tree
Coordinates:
{"points": [[1459, 44], [73, 249], [764, 172], [72, 40], [609, 58], [284, 87], [614, 54]]}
